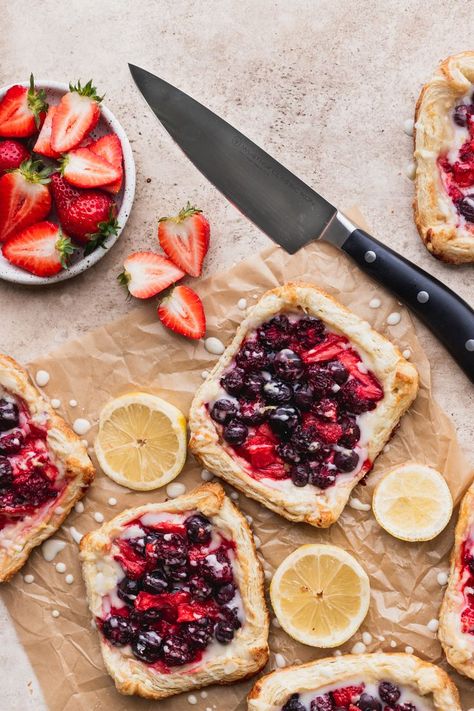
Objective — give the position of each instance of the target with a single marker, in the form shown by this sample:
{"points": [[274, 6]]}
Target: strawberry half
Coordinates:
{"points": [[22, 110], [110, 149], [76, 115], [12, 155], [85, 169], [43, 142], [185, 239], [145, 274], [41, 249], [182, 311], [24, 197]]}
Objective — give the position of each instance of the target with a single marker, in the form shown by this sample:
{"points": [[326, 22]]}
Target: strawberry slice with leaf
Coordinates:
{"points": [[22, 110], [185, 239], [12, 155], [85, 169], [110, 149], [145, 274], [41, 249], [77, 114], [24, 197], [182, 312], [43, 142]]}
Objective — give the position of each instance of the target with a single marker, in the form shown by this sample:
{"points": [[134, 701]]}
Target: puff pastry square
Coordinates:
{"points": [[44, 468], [456, 622], [311, 395], [444, 155], [176, 589], [395, 681]]}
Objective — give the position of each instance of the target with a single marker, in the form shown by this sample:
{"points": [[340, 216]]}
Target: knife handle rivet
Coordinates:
{"points": [[422, 297], [470, 344], [370, 256]]}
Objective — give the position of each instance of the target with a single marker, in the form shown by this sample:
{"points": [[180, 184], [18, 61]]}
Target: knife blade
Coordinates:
{"points": [[293, 214]]}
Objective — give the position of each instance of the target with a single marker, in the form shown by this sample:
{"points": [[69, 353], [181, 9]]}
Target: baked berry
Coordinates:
{"points": [[225, 593], [155, 582], [461, 114], [303, 395], [367, 702], [224, 632], [288, 453], [198, 633], [253, 385], [216, 568], [323, 477], [288, 365], [293, 704], [327, 409], [169, 549], [252, 412], [6, 473], [199, 528], [283, 419], [346, 460], [118, 630], [350, 399], [337, 371], [252, 356], [309, 331], [275, 333], [36, 489], [176, 573], [299, 475], [235, 432], [9, 416], [320, 381], [389, 693], [223, 410], [407, 706], [351, 433], [322, 703], [233, 382], [128, 589], [276, 392], [139, 544], [176, 651], [12, 442], [466, 207], [147, 646], [200, 589]]}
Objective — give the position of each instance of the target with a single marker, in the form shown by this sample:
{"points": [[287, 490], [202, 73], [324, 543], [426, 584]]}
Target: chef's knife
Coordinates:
{"points": [[293, 214]]}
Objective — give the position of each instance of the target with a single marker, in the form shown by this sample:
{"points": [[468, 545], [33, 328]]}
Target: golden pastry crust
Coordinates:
{"points": [[67, 452], [458, 646], [272, 691], [435, 215], [398, 377], [243, 657]]}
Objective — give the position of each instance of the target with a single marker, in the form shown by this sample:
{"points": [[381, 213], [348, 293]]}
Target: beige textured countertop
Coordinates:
{"points": [[324, 85]]}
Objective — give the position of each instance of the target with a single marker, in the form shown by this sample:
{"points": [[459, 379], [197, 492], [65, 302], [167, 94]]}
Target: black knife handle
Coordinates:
{"points": [[449, 317]]}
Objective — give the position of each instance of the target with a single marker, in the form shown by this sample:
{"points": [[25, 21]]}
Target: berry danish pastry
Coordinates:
{"points": [[44, 468], [444, 154], [300, 404], [176, 590], [362, 682]]}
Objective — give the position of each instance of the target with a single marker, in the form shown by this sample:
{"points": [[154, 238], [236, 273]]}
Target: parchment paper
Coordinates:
{"points": [[135, 352]]}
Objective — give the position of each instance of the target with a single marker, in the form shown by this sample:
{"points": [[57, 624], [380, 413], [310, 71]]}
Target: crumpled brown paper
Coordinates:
{"points": [[135, 352]]}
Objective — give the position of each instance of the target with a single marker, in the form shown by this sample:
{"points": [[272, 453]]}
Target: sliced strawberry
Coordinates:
{"points": [[369, 387], [131, 562], [43, 142], [12, 155], [260, 451], [41, 249], [467, 620], [110, 149], [329, 432], [190, 612], [185, 239], [329, 349], [85, 169], [145, 274], [182, 311], [345, 696], [24, 198], [77, 114], [22, 110], [148, 601]]}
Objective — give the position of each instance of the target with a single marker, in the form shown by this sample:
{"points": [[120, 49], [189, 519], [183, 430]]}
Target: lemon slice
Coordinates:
{"points": [[413, 503], [320, 595], [142, 441]]}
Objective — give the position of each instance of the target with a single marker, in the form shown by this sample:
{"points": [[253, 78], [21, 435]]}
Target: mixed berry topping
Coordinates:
{"points": [[291, 400], [458, 175], [179, 592], [28, 477], [384, 697], [467, 587]]}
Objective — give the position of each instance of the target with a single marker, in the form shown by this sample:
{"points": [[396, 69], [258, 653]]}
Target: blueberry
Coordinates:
{"points": [[169, 549], [253, 385], [198, 633], [293, 704], [337, 371], [224, 632], [155, 582], [6, 473], [176, 651], [277, 392], [118, 630], [252, 356], [351, 433], [233, 382], [288, 365], [299, 475], [235, 432], [200, 589], [461, 114], [225, 593], [9, 416], [320, 381], [369, 703], [139, 544], [216, 568], [147, 646], [176, 573], [12, 443], [283, 419], [128, 589], [389, 693], [252, 413], [346, 460], [303, 395], [466, 207], [199, 528], [223, 410]]}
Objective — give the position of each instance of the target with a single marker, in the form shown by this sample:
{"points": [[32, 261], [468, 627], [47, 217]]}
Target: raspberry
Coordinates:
{"points": [[346, 695]]}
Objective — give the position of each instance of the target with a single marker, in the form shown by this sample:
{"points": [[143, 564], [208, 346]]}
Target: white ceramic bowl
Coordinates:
{"points": [[124, 199]]}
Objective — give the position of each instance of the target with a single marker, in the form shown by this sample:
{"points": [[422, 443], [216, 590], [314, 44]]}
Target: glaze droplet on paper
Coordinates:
{"points": [[410, 170], [79, 507], [358, 648], [205, 374], [55, 402], [394, 318], [69, 579], [442, 578], [112, 501], [73, 403], [60, 567], [393, 644], [409, 650], [375, 303], [406, 353], [214, 345], [29, 579], [409, 126], [206, 475], [242, 304], [366, 638], [357, 504], [42, 378], [81, 426], [433, 625], [55, 613], [51, 548], [175, 489], [99, 517], [280, 660], [76, 535]]}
